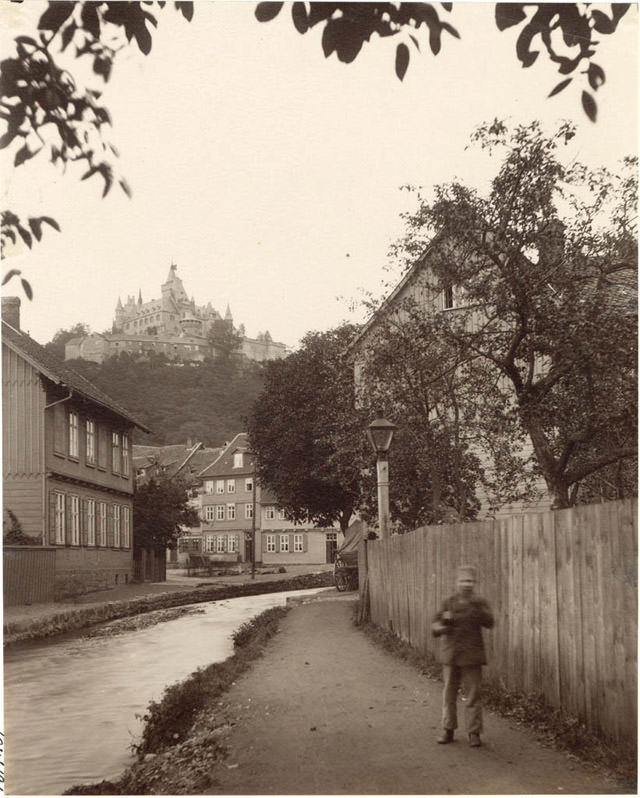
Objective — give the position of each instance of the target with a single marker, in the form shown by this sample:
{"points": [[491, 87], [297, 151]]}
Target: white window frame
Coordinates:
{"points": [[281, 515], [231, 512], [208, 544], [90, 441], [60, 518], [270, 544], [219, 512], [220, 486], [210, 512], [116, 526], [248, 485], [284, 544], [248, 510], [231, 486], [232, 544], [74, 519], [298, 544], [220, 544], [115, 452], [238, 459], [126, 527], [269, 513], [125, 455], [102, 524], [91, 522], [74, 449], [208, 486]]}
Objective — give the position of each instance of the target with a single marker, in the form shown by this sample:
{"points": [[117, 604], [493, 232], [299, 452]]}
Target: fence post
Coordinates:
{"points": [[364, 606]]}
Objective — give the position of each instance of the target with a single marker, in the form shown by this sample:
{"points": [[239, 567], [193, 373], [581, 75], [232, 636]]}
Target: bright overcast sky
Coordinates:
{"points": [[270, 174]]}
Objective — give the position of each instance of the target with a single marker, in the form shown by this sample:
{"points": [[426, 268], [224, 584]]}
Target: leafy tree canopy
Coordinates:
{"points": [[307, 434], [57, 344], [544, 274], [160, 512]]}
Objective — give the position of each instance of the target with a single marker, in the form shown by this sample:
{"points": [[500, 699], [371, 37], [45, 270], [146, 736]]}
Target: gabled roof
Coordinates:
{"points": [[173, 456], [56, 370], [223, 465]]}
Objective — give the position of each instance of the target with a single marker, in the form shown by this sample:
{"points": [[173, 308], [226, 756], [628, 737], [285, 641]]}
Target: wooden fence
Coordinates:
{"points": [[28, 574], [563, 588]]}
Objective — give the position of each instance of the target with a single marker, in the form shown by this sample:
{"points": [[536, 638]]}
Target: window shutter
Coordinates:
{"points": [[84, 537], [305, 541], [59, 429], [109, 525], [290, 536], [52, 517]]}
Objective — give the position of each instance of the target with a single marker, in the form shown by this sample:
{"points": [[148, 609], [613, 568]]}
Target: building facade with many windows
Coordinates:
{"points": [[234, 505], [67, 465]]}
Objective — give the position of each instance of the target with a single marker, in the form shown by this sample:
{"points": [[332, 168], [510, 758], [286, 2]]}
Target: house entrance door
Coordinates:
{"points": [[331, 546]]}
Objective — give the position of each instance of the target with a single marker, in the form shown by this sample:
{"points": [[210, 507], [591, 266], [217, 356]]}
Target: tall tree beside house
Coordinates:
{"points": [[160, 511], [307, 433], [542, 274]]}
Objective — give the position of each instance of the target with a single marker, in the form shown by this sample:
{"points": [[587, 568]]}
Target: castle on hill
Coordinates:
{"points": [[175, 326]]}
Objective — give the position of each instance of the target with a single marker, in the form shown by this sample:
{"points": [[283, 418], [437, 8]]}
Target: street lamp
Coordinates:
{"points": [[380, 434]]}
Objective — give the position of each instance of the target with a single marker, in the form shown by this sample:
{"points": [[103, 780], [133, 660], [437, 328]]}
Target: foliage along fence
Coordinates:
{"points": [[28, 574], [563, 588]]}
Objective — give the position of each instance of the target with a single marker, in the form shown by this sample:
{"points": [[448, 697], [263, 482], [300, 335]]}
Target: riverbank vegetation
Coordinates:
{"points": [[551, 727], [179, 742]]}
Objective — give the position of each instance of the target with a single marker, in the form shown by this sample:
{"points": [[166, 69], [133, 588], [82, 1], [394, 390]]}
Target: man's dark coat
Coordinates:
{"points": [[461, 639]]}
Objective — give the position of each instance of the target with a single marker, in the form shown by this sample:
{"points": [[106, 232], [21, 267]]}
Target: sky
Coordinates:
{"points": [[270, 175]]}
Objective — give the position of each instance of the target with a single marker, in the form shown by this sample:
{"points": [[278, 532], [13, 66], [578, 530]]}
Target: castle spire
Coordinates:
{"points": [[139, 296], [227, 315]]}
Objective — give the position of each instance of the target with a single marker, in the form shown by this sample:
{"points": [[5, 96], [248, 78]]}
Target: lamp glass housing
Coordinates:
{"points": [[380, 434]]}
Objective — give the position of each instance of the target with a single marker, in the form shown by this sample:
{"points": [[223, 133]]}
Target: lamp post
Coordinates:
{"points": [[380, 434]]}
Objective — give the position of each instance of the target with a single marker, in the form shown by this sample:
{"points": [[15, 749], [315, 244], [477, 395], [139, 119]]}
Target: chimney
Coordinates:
{"points": [[11, 311]]}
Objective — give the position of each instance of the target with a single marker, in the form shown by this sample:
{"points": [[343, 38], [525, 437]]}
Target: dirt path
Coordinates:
{"points": [[326, 711]]}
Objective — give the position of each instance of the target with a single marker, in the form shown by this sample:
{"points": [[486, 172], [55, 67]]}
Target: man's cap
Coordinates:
{"points": [[466, 572]]}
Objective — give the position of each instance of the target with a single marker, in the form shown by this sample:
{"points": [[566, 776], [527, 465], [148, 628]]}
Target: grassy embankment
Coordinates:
{"points": [[179, 744], [553, 728]]}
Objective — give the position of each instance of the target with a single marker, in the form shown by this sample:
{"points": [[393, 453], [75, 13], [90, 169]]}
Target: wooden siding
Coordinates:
{"points": [[563, 587], [24, 498], [28, 574], [23, 401]]}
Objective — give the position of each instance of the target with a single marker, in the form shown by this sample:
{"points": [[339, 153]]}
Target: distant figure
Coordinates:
{"points": [[459, 623]]}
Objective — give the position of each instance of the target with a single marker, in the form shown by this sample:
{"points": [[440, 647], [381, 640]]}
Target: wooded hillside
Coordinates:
{"points": [[207, 402]]}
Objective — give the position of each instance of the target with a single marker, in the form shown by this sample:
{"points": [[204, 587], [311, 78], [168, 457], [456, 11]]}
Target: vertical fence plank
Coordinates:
{"points": [[549, 667]]}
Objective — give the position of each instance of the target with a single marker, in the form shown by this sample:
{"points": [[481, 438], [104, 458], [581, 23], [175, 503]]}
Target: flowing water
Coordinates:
{"points": [[70, 704]]}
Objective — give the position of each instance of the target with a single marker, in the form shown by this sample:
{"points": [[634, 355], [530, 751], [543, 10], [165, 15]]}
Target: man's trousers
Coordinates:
{"points": [[470, 676]]}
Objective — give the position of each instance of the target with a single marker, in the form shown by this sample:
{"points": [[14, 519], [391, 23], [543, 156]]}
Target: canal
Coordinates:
{"points": [[73, 705]]}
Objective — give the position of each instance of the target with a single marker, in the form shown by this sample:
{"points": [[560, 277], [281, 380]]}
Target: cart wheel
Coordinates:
{"points": [[341, 575]]}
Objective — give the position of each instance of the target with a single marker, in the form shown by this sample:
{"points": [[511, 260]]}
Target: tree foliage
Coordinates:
{"points": [[568, 32], [307, 433], [544, 270], [57, 344], [160, 514]]}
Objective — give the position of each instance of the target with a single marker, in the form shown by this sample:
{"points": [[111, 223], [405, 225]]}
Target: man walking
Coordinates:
{"points": [[459, 624]]}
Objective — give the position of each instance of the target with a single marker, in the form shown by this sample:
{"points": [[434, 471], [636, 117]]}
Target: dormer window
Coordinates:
{"points": [[237, 459], [448, 298]]}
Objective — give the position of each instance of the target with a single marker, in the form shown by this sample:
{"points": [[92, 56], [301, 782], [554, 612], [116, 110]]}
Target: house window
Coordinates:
{"points": [[208, 486], [220, 486], [271, 543], [103, 444], [60, 518], [209, 512], [231, 486], [91, 522], [209, 543], [232, 544], [269, 513], [281, 516], [116, 526], [298, 545], [125, 455], [219, 512], [126, 528], [90, 441], [284, 543], [73, 434], [115, 452], [248, 511], [248, 485], [231, 512], [74, 520], [238, 460], [102, 524], [220, 544]]}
